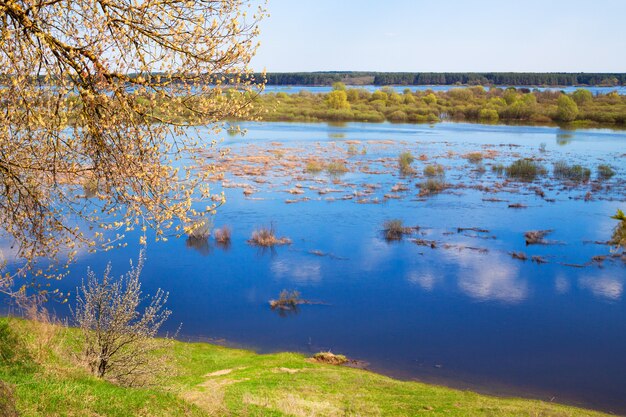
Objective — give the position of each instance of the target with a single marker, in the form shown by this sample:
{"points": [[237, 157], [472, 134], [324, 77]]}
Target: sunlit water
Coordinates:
{"points": [[455, 316]]}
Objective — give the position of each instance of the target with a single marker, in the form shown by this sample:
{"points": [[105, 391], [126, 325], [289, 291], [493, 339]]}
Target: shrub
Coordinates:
{"points": [[405, 160], [582, 96], [571, 172], [488, 115], [394, 229], [199, 230], [474, 157], [618, 240], [430, 99], [434, 170], [119, 340], [567, 109], [605, 171], [266, 237], [314, 166], [432, 186], [398, 116], [222, 236], [336, 167], [525, 170]]}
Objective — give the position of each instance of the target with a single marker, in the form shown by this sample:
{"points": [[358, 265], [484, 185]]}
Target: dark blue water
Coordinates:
{"points": [[465, 314], [291, 89]]}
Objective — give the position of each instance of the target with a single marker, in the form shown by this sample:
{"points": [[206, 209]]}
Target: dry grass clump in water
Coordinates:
{"points": [[432, 186], [405, 160], [605, 172], [474, 157], [266, 237], [525, 170], [314, 167], [394, 229], [287, 300], [330, 358], [222, 235], [336, 167], [536, 237], [571, 172], [434, 170]]}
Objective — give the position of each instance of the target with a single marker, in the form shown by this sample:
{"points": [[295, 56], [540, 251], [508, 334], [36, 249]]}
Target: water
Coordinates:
{"points": [[453, 315], [291, 89]]}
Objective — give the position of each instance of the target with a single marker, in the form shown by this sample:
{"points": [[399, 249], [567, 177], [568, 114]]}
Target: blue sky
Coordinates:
{"points": [[444, 35]]}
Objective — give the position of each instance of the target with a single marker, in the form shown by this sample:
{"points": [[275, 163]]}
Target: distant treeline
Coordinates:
{"points": [[446, 78]]}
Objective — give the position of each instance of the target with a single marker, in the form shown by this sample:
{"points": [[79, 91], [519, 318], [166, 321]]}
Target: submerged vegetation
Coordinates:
{"points": [[618, 239], [395, 229], [571, 172], [405, 160], [525, 170], [266, 237], [475, 104]]}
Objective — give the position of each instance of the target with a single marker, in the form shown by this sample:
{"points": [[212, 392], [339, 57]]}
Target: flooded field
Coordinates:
{"points": [[460, 294]]}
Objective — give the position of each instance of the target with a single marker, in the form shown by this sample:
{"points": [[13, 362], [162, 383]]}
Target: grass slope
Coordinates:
{"points": [[40, 363]]}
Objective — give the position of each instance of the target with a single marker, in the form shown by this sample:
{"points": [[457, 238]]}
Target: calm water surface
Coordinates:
{"points": [[290, 89], [458, 316]]}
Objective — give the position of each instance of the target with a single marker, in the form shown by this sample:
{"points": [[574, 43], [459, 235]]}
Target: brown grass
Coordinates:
{"points": [[266, 237], [330, 358]]}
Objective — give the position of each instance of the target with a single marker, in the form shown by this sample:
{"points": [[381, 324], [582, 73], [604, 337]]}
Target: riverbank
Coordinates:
{"points": [[41, 367], [473, 104]]}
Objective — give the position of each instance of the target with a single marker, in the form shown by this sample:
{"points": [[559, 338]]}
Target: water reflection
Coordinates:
{"points": [[300, 272], [605, 286], [201, 245], [492, 279]]}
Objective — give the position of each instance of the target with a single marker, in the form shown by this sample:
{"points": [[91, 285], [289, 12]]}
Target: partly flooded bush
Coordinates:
{"points": [[330, 358], [571, 172], [314, 167], [336, 167], [266, 237], [394, 229], [488, 115], [352, 149], [405, 160], [618, 239], [434, 170], [474, 157], [432, 186], [525, 170], [605, 172], [222, 235]]}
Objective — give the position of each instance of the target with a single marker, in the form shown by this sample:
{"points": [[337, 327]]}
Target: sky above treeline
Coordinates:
{"points": [[443, 36]]}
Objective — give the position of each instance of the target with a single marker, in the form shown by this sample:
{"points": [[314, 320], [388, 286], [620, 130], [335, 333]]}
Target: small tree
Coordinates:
{"points": [[567, 109], [119, 340], [338, 100]]}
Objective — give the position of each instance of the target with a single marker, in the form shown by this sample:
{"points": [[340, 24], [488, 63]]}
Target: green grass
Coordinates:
{"points": [[46, 378]]}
